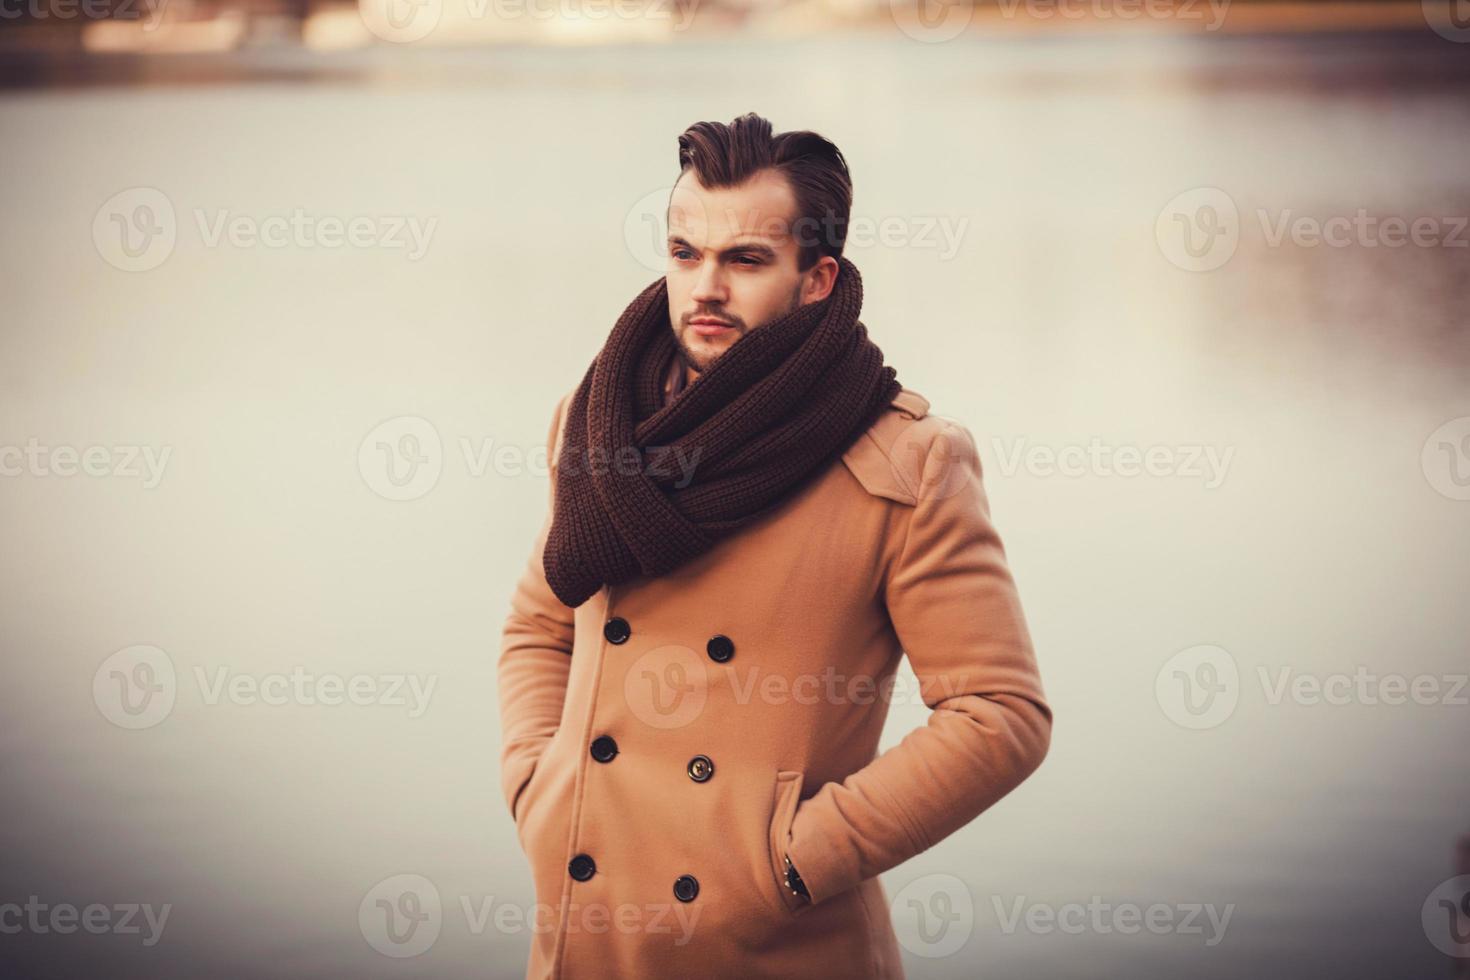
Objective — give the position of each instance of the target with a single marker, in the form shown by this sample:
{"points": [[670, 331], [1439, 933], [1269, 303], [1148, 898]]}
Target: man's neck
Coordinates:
{"points": [[683, 373]]}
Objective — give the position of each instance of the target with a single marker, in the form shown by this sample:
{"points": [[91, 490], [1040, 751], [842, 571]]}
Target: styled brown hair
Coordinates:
{"points": [[727, 155]]}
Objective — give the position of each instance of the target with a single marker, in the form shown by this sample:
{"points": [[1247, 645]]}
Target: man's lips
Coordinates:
{"points": [[709, 327]]}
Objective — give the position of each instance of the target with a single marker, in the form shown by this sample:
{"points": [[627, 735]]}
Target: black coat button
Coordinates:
{"points": [[700, 768], [686, 887], [720, 648], [582, 867], [617, 630], [604, 748]]}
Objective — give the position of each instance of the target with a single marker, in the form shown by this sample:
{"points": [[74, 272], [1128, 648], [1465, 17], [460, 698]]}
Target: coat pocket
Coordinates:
{"points": [[523, 798], [787, 797]]}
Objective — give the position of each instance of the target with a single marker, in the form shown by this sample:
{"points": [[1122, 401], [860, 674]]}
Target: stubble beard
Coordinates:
{"points": [[702, 363]]}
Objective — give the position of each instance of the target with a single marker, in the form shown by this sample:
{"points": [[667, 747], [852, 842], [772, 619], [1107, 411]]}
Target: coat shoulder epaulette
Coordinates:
{"points": [[888, 459]]}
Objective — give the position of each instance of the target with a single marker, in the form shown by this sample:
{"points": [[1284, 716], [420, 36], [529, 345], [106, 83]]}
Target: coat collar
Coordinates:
{"points": [[873, 458]]}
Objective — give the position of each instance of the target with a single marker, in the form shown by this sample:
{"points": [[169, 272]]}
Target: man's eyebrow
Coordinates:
{"points": [[756, 248]]}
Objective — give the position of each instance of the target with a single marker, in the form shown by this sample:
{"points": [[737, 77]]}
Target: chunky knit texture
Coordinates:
{"points": [[771, 412]]}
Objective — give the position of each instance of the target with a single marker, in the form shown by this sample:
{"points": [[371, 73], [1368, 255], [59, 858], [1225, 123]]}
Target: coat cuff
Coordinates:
{"points": [[824, 869]]}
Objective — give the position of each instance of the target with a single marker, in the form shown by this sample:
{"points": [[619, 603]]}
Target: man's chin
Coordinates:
{"points": [[701, 353]]}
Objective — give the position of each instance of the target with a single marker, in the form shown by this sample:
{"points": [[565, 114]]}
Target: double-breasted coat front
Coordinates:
{"points": [[670, 742]]}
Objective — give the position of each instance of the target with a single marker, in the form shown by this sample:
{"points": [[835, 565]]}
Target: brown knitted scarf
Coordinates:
{"points": [[771, 412]]}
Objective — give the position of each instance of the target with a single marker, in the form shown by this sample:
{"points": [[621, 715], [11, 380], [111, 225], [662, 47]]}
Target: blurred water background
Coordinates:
{"points": [[1097, 242]]}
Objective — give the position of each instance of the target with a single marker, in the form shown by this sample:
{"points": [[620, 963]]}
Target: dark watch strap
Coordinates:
{"points": [[794, 882]]}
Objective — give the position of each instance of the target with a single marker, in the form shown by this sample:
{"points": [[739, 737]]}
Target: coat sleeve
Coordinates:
{"points": [[535, 657], [955, 609]]}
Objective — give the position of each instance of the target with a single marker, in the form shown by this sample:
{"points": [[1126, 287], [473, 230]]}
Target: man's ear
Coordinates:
{"points": [[821, 278]]}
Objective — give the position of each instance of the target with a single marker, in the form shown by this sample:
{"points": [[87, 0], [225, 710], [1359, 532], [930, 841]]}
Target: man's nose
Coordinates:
{"points": [[709, 285]]}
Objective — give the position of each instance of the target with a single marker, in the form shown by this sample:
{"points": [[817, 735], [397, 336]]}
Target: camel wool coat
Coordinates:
{"points": [[670, 742]]}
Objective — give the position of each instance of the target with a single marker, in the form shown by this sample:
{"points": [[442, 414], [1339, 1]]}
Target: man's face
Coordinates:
{"points": [[732, 262]]}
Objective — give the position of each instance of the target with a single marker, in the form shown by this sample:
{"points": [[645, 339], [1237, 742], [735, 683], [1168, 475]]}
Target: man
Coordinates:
{"points": [[750, 521]]}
